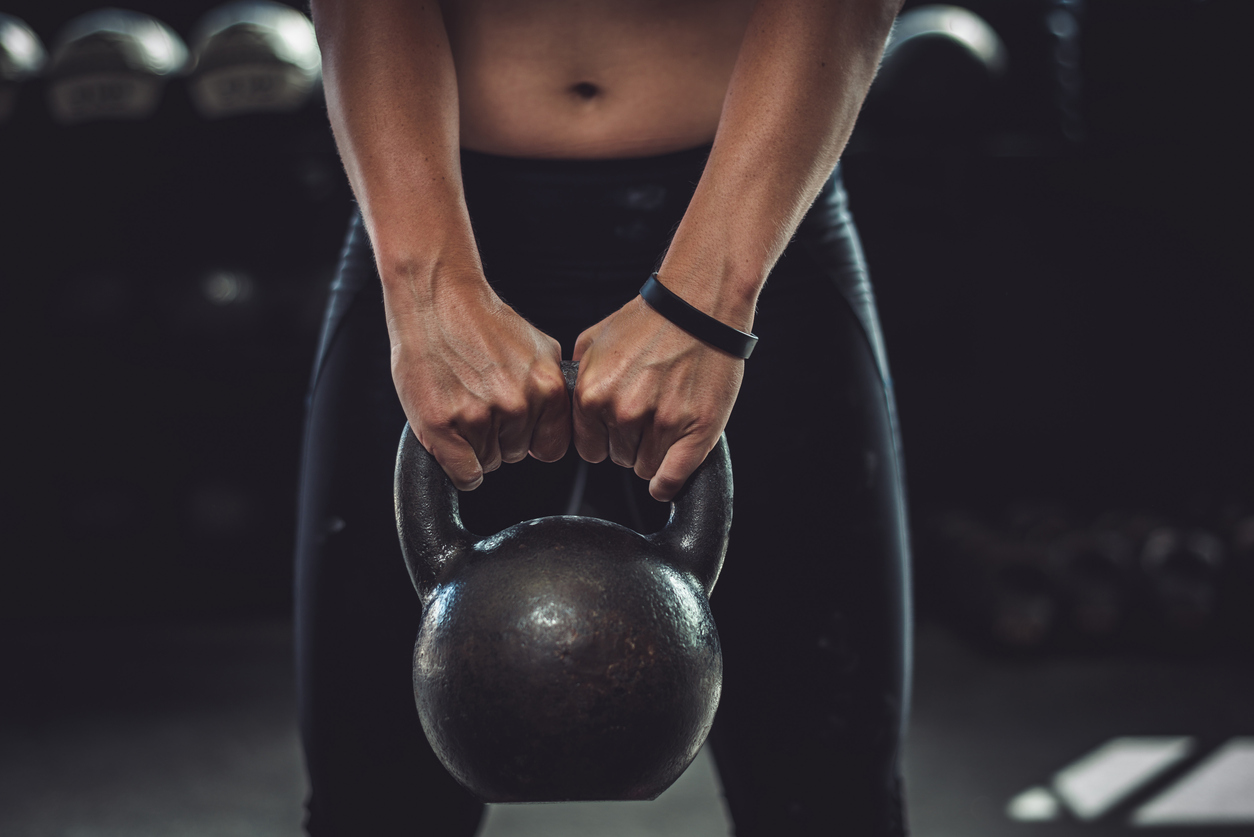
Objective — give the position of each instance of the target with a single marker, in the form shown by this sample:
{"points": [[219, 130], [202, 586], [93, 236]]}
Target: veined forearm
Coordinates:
{"points": [[392, 100], [802, 73]]}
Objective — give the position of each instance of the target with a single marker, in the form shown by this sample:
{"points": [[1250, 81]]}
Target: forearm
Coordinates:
{"points": [[392, 100], [802, 73]]}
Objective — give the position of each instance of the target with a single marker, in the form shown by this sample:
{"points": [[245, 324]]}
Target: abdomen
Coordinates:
{"points": [[562, 79]]}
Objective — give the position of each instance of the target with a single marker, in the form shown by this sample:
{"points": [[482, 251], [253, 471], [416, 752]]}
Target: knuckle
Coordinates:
{"points": [[555, 388], [593, 397], [626, 414], [513, 408], [470, 414]]}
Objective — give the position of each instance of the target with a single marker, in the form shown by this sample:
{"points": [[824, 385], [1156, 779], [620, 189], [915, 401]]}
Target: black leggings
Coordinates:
{"points": [[812, 605]]}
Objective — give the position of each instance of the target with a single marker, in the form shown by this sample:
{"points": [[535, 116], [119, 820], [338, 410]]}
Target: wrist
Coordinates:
{"points": [[697, 323], [427, 271], [417, 245], [717, 290]]}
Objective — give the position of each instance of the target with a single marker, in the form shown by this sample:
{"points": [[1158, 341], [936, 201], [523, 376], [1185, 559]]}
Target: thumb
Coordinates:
{"points": [[680, 461]]}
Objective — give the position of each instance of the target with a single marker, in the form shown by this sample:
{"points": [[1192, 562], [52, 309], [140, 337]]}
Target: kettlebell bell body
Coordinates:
{"points": [[564, 658]]}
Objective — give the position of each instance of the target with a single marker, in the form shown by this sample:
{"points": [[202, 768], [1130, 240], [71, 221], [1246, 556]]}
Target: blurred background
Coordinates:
{"points": [[1054, 200]]}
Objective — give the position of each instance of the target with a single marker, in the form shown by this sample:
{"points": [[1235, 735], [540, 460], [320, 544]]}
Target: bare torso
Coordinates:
{"points": [[592, 78], [779, 81]]}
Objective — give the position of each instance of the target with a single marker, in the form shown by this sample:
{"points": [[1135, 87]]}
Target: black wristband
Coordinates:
{"points": [[699, 325]]}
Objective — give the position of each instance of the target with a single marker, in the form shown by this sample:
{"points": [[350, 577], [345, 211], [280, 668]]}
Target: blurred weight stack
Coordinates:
{"points": [[177, 210], [1039, 578]]}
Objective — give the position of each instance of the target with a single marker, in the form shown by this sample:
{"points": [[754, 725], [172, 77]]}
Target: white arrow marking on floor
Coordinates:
{"points": [[1219, 791], [1100, 780]]}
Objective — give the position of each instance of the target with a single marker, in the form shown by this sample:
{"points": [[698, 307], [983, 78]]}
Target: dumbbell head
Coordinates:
{"points": [[1183, 571], [1238, 592], [1092, 567], [254, 57], [22, 57], [998, 586], [112, 64], [940, 65]]}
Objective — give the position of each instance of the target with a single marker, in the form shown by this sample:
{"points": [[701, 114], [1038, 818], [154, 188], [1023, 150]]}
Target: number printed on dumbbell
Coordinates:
{"points": [[102, 91], [233, 85]]}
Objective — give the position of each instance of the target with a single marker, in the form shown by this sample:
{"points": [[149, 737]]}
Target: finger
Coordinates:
{"points": [[551, 435], [490, 456], [484, 440], [665, 429], [652, 450], [582, 344], [514, 441], [590, 432], [624, 441], [458, 460], [680, 461], [515, 426]]}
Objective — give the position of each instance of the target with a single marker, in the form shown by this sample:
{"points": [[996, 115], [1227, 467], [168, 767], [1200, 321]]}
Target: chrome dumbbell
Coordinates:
{"points": [[254, 57], [112, 64]]}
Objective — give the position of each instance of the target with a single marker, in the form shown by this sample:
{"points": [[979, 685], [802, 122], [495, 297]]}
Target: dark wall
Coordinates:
{"points": [[1067, 314]]}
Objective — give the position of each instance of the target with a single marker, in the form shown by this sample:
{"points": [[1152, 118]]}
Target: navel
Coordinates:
{"points": [[585, 90]]}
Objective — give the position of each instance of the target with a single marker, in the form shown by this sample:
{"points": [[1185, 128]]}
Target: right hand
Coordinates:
{"points": [[478, 383]]}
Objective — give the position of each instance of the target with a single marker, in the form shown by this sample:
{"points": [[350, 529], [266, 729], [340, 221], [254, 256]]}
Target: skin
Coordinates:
{"points": [[775, 84]]}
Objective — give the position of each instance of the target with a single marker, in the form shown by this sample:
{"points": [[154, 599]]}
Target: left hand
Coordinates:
{"points": [[651, 396]]}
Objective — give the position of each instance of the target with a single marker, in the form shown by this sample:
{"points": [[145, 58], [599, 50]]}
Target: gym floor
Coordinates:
{"points": [[190, 730]]}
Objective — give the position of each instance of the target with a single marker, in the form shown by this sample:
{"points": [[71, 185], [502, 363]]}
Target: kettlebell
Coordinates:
{"points": [[565, 658]]}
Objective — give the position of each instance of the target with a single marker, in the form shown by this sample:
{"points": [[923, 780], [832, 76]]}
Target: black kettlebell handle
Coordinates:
{"points": [[433, 537]]}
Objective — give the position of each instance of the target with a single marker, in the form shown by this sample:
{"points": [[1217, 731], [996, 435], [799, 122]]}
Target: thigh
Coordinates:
{"points": [[369, 767], [812, 605], [357, 614]]}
